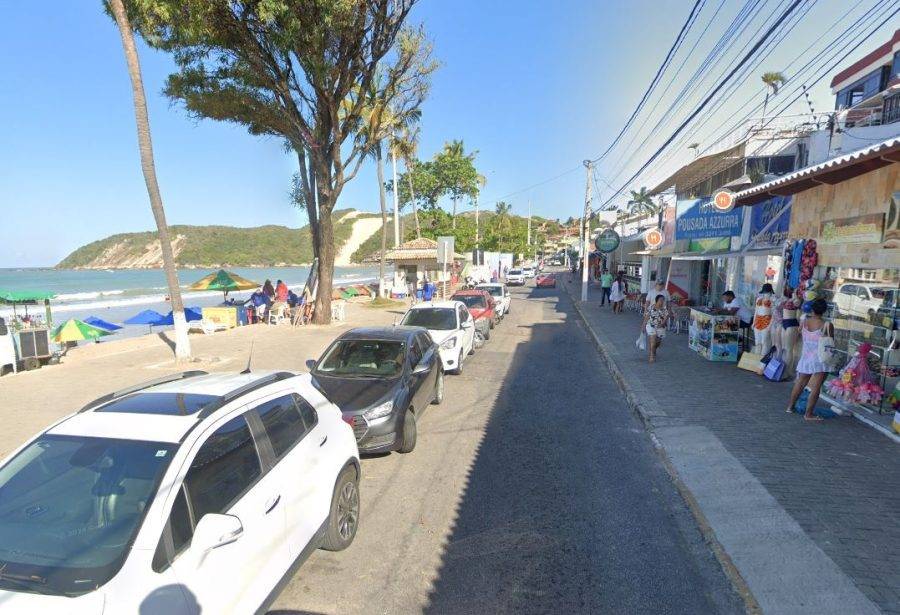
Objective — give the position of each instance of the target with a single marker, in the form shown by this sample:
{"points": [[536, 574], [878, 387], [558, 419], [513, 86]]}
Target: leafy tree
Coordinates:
{"points": [[148, 166], [298, 70], [457, 174]]}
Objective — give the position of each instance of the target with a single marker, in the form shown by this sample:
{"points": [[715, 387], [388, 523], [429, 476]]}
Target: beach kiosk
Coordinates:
{"points": [[30, 336], [417, 260]]}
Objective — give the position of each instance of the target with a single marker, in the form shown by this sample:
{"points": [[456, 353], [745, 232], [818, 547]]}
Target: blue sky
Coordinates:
{"points": [[534, 86]]}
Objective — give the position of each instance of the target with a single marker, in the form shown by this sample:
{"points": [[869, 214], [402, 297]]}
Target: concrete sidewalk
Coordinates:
{"points": [[808, 514]]}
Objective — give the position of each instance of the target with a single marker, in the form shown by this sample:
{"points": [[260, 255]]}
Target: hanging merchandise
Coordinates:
{"points": [[796, 259], [894, 401], [855, 382], [808, 260], [788, 259]]}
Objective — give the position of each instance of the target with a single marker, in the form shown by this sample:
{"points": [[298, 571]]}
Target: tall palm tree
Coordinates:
{"points": [[406, 145], [773, 81], [145, 146], [502, 218], [641, 203]]}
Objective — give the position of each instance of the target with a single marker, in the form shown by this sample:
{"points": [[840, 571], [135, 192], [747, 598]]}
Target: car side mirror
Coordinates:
{"points": [[467, 324], [310, 364], [422, 367], [215, 530]]}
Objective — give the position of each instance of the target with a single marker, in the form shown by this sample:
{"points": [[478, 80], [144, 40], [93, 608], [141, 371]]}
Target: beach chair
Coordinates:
{"points": [[276, 314], [210, 326]]}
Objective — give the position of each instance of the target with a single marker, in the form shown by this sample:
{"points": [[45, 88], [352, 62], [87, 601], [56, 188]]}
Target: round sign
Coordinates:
{"points": [[607, 240], [723, 201], [653, 238]]}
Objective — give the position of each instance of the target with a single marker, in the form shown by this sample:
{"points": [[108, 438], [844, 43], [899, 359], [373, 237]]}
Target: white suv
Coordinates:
{"points": [[864, 300], [190, 493], [450, 326], [515, 277], [500, 294]]}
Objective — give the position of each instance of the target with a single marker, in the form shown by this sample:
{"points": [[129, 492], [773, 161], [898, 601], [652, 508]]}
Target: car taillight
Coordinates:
{"points": [[349, 419]]}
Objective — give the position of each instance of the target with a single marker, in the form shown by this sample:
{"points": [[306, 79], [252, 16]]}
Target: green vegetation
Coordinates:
{"points": [[383, 303], [209, 246]]}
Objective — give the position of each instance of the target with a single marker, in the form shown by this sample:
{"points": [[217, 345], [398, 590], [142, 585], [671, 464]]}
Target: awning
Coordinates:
{"points": [[833, 171], [24, 296], [701, 168], [705, 256]]}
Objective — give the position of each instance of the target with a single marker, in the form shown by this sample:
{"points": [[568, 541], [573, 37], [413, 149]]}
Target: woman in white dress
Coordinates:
{"points": [[617, 293]]}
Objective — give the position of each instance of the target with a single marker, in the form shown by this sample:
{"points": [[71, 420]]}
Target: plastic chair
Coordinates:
{"points": [[276, 314]]}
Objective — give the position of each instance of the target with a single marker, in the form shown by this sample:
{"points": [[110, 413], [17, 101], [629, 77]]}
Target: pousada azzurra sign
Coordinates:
{"points": [[699, 219]]}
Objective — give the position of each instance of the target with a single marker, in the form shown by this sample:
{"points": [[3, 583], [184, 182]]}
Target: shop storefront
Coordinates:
{"points": [[845, 230]]}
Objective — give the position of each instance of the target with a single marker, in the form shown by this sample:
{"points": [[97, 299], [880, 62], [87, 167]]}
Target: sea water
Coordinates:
{"points": [[115, 295]]}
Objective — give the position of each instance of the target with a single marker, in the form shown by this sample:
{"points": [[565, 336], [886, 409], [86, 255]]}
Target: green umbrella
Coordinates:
{"points": [[224, 281], [75, 331]]}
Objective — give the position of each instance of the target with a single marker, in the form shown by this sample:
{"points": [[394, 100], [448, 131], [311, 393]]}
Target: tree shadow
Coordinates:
{"points": [[168, 342]]}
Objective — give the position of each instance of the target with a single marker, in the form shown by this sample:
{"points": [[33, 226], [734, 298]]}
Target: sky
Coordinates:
{"points": [[534, 86]]}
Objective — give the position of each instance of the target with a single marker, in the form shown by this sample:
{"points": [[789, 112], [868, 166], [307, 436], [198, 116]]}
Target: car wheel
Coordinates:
{"points": [[343, 519], [439, 387], [493, 322], [478, 341], [487, 333], [408, 442], [459, 363]]}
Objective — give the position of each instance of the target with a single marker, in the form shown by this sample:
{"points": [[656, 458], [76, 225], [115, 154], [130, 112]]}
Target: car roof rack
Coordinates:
{"points": [[229, 397], [140, 387]]}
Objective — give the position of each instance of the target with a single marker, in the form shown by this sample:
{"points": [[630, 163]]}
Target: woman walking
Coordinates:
{"points": [[617, 293], [811, 371], [655, 320]]}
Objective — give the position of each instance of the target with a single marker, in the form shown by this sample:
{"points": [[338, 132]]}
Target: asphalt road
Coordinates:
{"points": [[532, 489]]}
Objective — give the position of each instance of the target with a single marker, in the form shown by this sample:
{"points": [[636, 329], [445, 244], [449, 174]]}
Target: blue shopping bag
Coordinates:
{"points": [[774, 370]]}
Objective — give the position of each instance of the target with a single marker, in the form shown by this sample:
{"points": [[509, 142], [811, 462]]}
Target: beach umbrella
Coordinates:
{"points": [[101, 324], [147, 317], [191, 314], [76, 330], [224, 281]]}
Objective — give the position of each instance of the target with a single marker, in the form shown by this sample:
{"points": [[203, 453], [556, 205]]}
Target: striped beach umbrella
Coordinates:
{"points": [[225, 281], [76, 331]]}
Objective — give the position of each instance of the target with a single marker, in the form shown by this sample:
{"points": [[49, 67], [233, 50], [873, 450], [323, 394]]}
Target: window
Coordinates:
{"points": [[351, 358], [181, 523], [439, 319], [862, 293], [310, 417], [415, 353], [463, 314], [891, 111], [224, 469], [424, 343], [283, 423], [848, 289]]}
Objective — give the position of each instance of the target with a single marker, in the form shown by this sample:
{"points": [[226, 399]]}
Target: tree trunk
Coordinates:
{"points": [[765, 104], [182, 343], [382, 199], [322, 309], [454, 214], [412, 198]]}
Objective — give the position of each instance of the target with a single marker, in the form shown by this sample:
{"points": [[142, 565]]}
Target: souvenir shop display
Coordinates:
{"points": [[714, 334], [855, 383], [763, 321], [790, 333]]}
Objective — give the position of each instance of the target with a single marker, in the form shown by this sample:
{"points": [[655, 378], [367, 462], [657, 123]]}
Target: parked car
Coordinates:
{"points": [[190, 493], [528, 271], [545, 281], [864, 300], [382, 379], [450, 326], [482, 308], [501, 296], [515, 277]]}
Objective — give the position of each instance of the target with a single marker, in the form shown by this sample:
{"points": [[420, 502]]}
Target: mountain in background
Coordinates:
{"points": [[218, 246]]}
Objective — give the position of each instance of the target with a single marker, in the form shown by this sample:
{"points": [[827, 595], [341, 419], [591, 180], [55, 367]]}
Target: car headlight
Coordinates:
{"points": [[449, 343], [379, 411]]}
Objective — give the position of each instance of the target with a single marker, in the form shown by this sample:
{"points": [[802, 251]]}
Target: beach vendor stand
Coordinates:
{"points": [[714, 334], [31, 336]]}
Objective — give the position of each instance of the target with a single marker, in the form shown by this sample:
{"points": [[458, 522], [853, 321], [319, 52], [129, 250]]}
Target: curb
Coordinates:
{"points": [[642, 412]]}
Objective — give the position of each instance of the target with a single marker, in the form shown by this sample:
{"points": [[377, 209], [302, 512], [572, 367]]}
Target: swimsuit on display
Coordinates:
{"points": [[763, 317], [787, 323]]}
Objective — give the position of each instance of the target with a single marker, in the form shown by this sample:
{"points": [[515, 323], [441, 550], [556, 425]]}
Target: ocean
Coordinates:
{"points": [[115, 295]]}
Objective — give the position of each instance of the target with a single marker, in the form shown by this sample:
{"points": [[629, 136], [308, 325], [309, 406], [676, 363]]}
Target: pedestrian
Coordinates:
{"points": [[281, 291], [617, 293], [606, 280], [811, 371], [734, 305], [269, 290], [659, 290], [656, 317]]}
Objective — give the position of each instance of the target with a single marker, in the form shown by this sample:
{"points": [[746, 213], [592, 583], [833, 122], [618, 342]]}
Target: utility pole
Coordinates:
{"points": [[477, 239], [586, 230], [396, 200], [529, 223]]}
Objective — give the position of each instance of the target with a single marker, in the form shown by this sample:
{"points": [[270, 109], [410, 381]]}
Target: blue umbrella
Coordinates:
{"points": [[101, 324], [191, 314], [147, 317]]}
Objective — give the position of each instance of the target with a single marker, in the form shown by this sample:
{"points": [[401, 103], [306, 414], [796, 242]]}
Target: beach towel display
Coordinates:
{"points": [[793, 277], [855, 382]]}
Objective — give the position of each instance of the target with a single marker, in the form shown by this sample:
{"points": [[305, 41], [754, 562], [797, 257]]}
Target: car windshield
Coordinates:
{"points": [[363, 358], [472, 301], [514, 272], [881, 292], [70, 506], [441, 319], [495, 291]]}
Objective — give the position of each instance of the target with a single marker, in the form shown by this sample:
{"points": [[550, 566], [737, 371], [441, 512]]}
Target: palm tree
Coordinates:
{"points": [[773, 81], [641, 203], [145, 146], [502, 210], [406, 145]]}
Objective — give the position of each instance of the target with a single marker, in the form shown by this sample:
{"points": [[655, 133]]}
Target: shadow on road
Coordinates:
{"points": [[567, 508]]}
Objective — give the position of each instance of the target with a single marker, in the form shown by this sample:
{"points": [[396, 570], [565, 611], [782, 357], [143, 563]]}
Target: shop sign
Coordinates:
{"points": [[723, 201], [653, 238], [859, 229], [607, 240], [669, 225], [699, 219], [765, 212]]}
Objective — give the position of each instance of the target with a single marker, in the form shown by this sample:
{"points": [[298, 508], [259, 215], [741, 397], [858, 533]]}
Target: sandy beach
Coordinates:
{"points": [[43, 396]]}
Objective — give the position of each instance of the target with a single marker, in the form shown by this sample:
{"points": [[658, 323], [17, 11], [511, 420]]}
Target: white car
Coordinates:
{"points": [[515, 277], [501, 296], [528, 271], [187, 494], [450, 326], [864, 300]]}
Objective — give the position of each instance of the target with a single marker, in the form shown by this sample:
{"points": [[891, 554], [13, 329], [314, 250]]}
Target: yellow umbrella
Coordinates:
{"points": [[76, 331], [224, 281]]}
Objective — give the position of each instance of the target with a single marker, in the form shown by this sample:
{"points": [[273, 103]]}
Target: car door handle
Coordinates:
{"points": [[271, 504], [324, 440]]}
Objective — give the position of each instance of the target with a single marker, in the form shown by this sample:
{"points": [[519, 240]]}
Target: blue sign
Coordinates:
{"points": [[765, 212], [698, 219]]}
